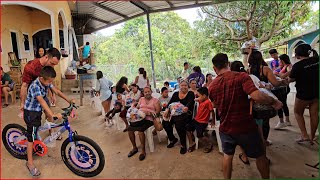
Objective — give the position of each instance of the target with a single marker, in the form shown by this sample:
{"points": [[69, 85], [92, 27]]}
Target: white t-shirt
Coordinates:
{"points": [[142, 82], [255, 80]]}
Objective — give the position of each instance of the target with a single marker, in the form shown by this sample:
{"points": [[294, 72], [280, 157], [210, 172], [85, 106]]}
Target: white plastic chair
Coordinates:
{"points": [[209, 128], [149, 138]]}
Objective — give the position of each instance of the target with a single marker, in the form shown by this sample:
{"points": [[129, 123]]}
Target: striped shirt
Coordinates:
{"points": [[36, 89]]}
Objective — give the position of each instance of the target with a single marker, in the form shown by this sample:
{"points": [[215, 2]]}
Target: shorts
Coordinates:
{"points": [[110, 98], [123, 113], [199, 127], [33, 121], [251, 143]]}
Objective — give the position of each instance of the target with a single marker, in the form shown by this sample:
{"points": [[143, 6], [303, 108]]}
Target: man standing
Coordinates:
{"points": [[185, 73], [229, 92], [32, 71], [275, 63]]}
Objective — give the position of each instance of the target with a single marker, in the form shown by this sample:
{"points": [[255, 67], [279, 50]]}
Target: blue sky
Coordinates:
{"points": [[190, 15]]}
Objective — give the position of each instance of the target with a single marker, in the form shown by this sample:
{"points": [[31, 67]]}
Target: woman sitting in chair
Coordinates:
{"points": [[6, 86], [149, 106]]}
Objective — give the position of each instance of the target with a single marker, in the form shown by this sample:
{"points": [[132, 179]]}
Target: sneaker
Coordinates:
{"points": [[288, 123], [280, 125]]}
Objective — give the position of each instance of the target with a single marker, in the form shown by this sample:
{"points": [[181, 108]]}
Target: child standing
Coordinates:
{"points": [[200, 122], [34, 105]]}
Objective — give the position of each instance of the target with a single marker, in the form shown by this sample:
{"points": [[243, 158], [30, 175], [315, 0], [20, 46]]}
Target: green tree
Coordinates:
{"points": [[230, 24]]}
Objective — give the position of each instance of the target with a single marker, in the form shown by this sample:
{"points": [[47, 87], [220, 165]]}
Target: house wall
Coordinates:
{"points": [[17, 17]]}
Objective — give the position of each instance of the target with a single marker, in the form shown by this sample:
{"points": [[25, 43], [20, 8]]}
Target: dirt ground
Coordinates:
{"points": [[287, 157]]}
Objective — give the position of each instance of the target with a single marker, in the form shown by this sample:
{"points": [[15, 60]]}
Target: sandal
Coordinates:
{"points": [[33, 171], [125, 130], [142, 157], [303, 141], [132, 152], [244, 162], [192, 148], [59, 138], [208, 149], [5, 105]]}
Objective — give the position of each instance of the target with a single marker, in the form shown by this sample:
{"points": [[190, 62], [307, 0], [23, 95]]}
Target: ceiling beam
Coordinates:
{"points": [[141, 5], [170, 3], [100, 20], [109, 9], [163, 10]]}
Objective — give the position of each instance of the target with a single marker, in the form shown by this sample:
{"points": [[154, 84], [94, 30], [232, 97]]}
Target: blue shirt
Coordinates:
{"points": [[36, 89], [86, 51]]}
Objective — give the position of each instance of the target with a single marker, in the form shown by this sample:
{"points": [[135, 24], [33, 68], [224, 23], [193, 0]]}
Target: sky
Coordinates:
{"points": [[190, 15]]}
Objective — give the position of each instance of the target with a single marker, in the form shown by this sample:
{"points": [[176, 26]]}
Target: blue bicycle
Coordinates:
{"points": [[80, 154]]}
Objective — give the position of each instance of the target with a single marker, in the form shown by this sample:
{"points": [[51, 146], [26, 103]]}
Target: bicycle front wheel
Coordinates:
{"points": [[83, 156]]}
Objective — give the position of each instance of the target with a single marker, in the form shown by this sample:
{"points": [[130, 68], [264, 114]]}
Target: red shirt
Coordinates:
{"points": [[31, 71], [229, 93], [204, 109]]}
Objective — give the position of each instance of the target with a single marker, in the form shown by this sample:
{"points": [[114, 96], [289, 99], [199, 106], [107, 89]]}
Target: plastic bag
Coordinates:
{"points": [[135, 115], [176, 108]]}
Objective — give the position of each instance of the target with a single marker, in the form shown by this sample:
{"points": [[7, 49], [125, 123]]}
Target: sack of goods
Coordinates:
{"points": [[135, 115], [176, 108], [264, 111], [129, 101]]}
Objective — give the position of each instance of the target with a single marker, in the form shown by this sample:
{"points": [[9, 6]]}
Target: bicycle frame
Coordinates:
{"points": [[65, 126]]}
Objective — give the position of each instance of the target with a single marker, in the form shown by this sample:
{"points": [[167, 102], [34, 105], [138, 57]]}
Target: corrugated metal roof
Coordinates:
{"points": [[91, 16]]}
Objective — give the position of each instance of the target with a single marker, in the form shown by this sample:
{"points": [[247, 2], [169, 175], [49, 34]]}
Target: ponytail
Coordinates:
{"points": [[314, 54], [145, 74]]}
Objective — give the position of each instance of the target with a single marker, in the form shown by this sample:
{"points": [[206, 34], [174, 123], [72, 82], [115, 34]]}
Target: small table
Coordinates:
{"points": [[82, 77]]}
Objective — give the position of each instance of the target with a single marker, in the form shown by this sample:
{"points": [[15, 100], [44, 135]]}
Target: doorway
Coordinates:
{"points": [[15, 44]]}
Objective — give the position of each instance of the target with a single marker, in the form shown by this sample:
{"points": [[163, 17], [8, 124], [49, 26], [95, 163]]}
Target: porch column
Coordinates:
{"points": [[55, 30], [56, 44]]}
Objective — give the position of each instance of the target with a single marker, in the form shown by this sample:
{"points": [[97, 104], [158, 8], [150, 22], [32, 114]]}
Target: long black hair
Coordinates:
{"points": [[255, 62], [197, 69], [285, 58], [123, 80], [99, 75], [37, 53], [304, 50], [237, 66]]}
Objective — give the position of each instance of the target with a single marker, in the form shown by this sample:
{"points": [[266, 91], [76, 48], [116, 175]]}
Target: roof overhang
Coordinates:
{"points": [[92, 16]]}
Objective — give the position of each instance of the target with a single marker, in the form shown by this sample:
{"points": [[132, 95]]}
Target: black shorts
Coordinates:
{"points": [[140, 126], [33, 121], [199, 127], [251, 143]]}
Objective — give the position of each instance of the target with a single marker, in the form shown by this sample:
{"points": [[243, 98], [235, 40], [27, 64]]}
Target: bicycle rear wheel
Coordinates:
{"points": [[83, 156], [11, 135]]}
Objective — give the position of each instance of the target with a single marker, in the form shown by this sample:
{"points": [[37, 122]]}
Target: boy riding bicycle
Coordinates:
{"points": [[34, 105]]}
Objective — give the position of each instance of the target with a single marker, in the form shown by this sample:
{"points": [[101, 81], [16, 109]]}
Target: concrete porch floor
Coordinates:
{"points": [[287, 157]]}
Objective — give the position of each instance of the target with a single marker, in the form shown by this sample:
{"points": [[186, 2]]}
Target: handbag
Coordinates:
{"points": [[264, 111], [157, 122]]}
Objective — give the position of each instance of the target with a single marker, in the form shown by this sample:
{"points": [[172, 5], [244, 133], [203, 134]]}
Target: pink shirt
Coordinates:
{"points": [[148, 106]]}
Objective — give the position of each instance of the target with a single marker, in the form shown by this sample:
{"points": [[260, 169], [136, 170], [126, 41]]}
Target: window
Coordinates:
{"points": [[26, 42]]}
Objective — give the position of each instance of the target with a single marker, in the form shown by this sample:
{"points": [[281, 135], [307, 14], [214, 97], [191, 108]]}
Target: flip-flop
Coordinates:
{"points": [[244, 162], [5, 105], [33, 171], [142, 157], [132, 152], [303, 141], [192, 148], [59, 138]]}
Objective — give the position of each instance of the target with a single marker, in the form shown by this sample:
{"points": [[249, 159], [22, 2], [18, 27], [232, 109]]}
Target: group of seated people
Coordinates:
{"points": [[243, 101], [138, 108]]}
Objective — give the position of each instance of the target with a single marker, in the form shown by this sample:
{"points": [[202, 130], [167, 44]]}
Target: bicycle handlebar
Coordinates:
{"points": [[68, 110]]}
